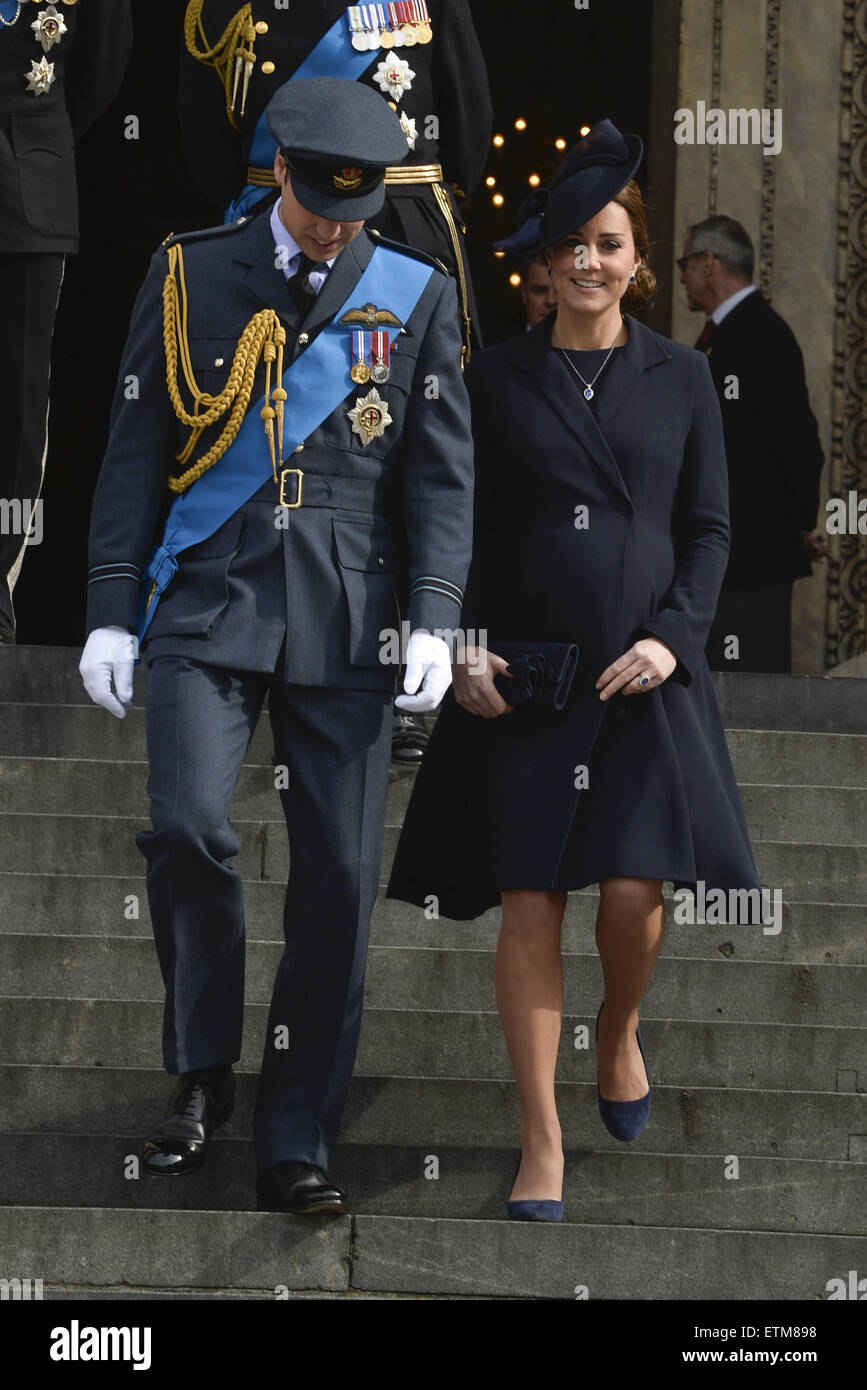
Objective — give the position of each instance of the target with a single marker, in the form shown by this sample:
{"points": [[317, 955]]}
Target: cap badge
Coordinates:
{"points": [[348, 178]]}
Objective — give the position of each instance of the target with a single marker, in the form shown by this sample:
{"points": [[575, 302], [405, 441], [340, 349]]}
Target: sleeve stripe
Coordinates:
{"points": [[446, 585], [417, 588]]}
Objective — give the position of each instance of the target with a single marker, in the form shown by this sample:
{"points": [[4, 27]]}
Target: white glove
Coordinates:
{"points": [[109, 654], [428, 671]]}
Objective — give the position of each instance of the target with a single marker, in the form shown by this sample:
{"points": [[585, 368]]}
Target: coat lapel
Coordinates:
{"points": [[534, 353], [265, 281], [346, 272]]}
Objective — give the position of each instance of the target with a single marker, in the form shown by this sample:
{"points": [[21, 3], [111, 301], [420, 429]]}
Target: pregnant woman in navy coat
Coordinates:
{"points": [[602, 520]]}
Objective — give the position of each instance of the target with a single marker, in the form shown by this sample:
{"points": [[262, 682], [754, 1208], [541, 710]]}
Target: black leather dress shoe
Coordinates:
{"points": [[409, 738], [298, 1187], [203, 1100]]}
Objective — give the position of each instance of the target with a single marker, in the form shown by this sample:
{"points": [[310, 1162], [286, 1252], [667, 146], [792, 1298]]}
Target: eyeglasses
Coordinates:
{"points": [[682, 260]]}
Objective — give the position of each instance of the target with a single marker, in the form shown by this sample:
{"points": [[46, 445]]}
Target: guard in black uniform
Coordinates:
{"points": [[60, 66], [295, 333], [422, 57]]}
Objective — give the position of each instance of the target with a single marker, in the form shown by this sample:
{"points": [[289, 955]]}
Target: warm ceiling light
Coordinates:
{"points": [[514, 279], [490, 180], [585, 130], [520, 123], [560, 144], [499, 255], [498, 200], [499, 140], [534, 180]]}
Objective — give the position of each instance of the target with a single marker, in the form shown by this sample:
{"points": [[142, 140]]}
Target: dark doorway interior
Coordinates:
{"points": [[553, 66]]}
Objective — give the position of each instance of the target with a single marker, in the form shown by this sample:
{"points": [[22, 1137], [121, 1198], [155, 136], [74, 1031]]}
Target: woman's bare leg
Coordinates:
{"points": [[529, 983], [629, 930]]}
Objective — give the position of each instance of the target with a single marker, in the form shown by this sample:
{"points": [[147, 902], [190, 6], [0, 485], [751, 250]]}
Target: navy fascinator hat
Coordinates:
{"points": [[592, 172]]}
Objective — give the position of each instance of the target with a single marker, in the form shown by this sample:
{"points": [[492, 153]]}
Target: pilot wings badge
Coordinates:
{"points": [[370, 416], [368, 316]]}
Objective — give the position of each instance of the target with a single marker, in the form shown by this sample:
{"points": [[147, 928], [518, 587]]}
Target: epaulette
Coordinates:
{"points": [[174, 238], [407, 250]]}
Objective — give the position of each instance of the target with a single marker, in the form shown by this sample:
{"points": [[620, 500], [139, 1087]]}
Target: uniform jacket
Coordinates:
{"points": [[325, 578], [772, 445], [648, 562], [38, 195], [450, 83]]}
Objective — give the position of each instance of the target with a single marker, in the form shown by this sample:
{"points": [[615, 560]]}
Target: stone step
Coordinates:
{"points": [[82, 844], [67, 786], [812, 933], [771, 756], [617, 1187], [449, 1043], [429, 1113], [427, 978], [159, 1248]]}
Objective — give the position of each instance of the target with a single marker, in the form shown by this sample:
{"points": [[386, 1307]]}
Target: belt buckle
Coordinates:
{"points": [[300, 475]]}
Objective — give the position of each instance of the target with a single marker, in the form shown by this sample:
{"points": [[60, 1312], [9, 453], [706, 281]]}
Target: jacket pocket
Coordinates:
{"points": [[45, 157], [365, 560], [197, 596]]}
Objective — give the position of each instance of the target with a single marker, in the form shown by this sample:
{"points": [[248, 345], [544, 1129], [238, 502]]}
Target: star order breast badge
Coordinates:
{"points": [[40, 76], [370, 416], [49, 27], [394, 76]]}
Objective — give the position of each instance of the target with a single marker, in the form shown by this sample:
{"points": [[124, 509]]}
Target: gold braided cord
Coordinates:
{"points": [[263, 337], [235, 43]]}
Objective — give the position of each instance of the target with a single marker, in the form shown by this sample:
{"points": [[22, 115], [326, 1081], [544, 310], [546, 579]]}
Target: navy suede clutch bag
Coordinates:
{"points": [[540, 673]]}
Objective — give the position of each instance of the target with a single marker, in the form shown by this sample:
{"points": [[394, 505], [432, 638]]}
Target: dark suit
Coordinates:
{"points": [[495, 799], [293, 611], [39, 223], [450, 84], [775, 463]]}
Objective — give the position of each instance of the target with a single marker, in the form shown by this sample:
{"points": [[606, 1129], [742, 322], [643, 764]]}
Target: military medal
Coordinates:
{"points": [[370, 417], [394, 76], [359, 371], [386, 34], [49, 27], [380, 369], [407, 25], [394, 25], [423, 30]]}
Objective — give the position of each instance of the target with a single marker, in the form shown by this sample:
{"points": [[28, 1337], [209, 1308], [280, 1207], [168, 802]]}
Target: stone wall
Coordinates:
{"points": [[801, 209]]}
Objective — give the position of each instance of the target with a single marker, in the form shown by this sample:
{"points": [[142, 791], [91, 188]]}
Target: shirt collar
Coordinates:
{"points": [[286, 243], [732, 302]]}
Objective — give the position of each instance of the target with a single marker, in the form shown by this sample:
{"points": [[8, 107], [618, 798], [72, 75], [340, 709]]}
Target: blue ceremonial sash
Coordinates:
{"points": [[318, 381], [333, 56]]}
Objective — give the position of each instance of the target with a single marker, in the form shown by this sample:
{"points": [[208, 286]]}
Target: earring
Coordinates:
{"points": [[550, 270], [632, 279]]}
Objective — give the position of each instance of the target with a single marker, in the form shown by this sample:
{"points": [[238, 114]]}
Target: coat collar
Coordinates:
{"points": [[533, 353], [266, 282]]}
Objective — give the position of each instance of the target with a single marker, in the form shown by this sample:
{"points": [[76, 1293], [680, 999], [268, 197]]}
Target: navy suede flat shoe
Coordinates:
{"points": [[533, 1209], [625, 1119]]}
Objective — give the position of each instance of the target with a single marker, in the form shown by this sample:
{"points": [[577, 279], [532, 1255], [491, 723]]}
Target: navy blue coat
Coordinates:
{"points": [[324, 580], [495, 799]]}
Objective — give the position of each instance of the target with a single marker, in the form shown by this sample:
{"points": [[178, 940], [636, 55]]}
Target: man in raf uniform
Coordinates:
{"points": [[296, 332], [60, 66]]}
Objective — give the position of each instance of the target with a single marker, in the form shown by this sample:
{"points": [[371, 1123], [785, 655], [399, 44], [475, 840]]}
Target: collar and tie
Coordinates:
{"points": [[299, 286], [703, 341]]}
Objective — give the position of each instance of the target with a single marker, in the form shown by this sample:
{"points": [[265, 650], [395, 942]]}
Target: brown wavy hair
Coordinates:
{"points": [[632, 200]]}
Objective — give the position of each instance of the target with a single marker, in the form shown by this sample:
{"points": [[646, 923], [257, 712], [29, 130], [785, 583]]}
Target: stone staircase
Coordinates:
{"points": [[755, 1047]]}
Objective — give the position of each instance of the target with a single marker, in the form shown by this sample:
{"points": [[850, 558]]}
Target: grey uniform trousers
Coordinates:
{"points": [[336, 746]]}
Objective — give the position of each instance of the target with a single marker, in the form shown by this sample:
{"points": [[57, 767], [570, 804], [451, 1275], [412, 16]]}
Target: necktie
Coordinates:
{"points": [[300, 288], [706, 334]]}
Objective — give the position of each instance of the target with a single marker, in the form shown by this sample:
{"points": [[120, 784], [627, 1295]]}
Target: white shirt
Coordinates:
{"points": [[727, 305], [289, 253]]}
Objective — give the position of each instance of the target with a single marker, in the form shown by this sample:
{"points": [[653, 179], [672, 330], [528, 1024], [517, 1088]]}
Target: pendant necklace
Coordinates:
{"points": [[589, 393]]}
